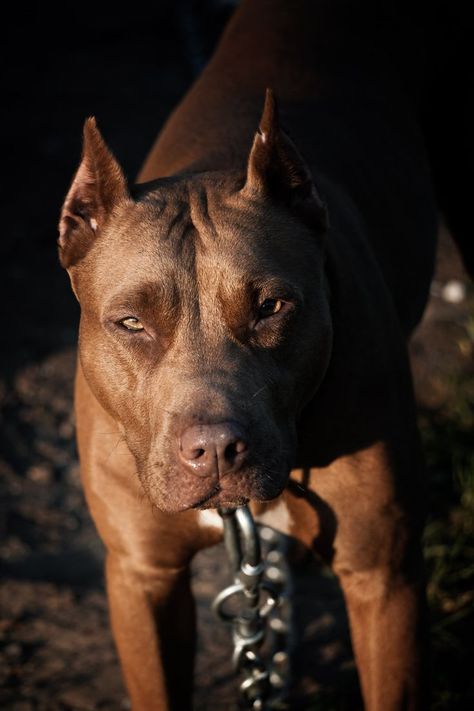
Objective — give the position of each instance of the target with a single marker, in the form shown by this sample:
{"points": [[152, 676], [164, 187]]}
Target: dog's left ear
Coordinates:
{"points": [[98, 186], [276, 169]]}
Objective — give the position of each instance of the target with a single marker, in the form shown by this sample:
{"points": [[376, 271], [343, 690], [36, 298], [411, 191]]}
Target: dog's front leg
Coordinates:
{"points": [[386, 620], [372, 541], [153, 620], [148, 585]]}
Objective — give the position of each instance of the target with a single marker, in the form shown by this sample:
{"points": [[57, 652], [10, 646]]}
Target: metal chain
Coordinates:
{"points": [[262, 614]]}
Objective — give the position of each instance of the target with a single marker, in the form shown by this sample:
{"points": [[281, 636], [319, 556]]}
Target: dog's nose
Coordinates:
{"points": [[215, 450]]}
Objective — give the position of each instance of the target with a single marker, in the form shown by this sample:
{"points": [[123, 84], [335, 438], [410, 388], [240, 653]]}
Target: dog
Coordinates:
{"points": [[245, 309]]}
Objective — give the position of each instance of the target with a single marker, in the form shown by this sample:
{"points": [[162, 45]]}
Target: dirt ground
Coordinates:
{"points": [[56, 651]]}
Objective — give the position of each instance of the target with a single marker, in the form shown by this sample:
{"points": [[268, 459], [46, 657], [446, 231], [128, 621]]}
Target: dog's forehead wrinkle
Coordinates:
{"points": [[194, 197], [177, 220], [200, 216], [166, 235]]}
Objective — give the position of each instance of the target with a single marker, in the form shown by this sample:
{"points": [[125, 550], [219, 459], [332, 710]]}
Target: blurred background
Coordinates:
{"points": [[129, 67]]}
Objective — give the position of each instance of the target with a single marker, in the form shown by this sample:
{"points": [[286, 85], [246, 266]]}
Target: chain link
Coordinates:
{"points": [[257, 608]]}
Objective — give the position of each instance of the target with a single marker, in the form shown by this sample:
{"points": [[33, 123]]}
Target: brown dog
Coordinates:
{"points": [[245, 316]]}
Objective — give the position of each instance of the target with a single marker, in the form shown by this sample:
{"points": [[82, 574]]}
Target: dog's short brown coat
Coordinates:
{"points": [[344, 239]]}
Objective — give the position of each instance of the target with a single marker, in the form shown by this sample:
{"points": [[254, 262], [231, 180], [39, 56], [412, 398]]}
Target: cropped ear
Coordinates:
{"points": [[276, 169], [97, 187]]}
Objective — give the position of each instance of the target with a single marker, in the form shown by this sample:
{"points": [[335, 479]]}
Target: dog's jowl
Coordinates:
{"points": [[244, 315]]}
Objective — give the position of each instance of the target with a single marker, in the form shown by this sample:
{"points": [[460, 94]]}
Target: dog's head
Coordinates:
{"points": [[205, 324]]}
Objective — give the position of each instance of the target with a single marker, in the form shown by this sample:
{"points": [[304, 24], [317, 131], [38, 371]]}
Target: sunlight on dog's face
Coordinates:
{"points": [[199, 312], [205, 324]]}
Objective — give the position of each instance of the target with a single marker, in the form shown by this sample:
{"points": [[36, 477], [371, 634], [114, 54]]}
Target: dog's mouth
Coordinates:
{"points": [[221, 496], [206, 501], [187, 492], [217, 499]]}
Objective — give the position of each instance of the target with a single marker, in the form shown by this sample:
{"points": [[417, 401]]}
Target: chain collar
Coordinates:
{"points": [[257, 608]]}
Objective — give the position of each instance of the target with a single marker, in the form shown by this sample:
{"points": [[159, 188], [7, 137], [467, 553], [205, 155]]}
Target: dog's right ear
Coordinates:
{"points": [[98, 186]]}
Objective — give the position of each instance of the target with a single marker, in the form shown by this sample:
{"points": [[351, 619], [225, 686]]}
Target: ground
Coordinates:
{"points": [[56, 651]]}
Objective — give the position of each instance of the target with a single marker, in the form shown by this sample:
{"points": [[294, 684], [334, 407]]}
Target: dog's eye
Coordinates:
{"points": [[270, 307], [131, 323]]}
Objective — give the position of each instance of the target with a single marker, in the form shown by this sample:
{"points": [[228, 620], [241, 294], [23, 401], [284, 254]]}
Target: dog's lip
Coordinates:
{"points": [[200, 503], [223, 503], [213, 500]]}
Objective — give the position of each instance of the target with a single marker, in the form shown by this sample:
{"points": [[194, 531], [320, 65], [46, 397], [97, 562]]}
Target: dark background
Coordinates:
{"points": [[129, 66]]}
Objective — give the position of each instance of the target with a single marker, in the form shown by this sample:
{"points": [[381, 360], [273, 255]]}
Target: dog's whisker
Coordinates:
{"points": [[260, 390]]}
